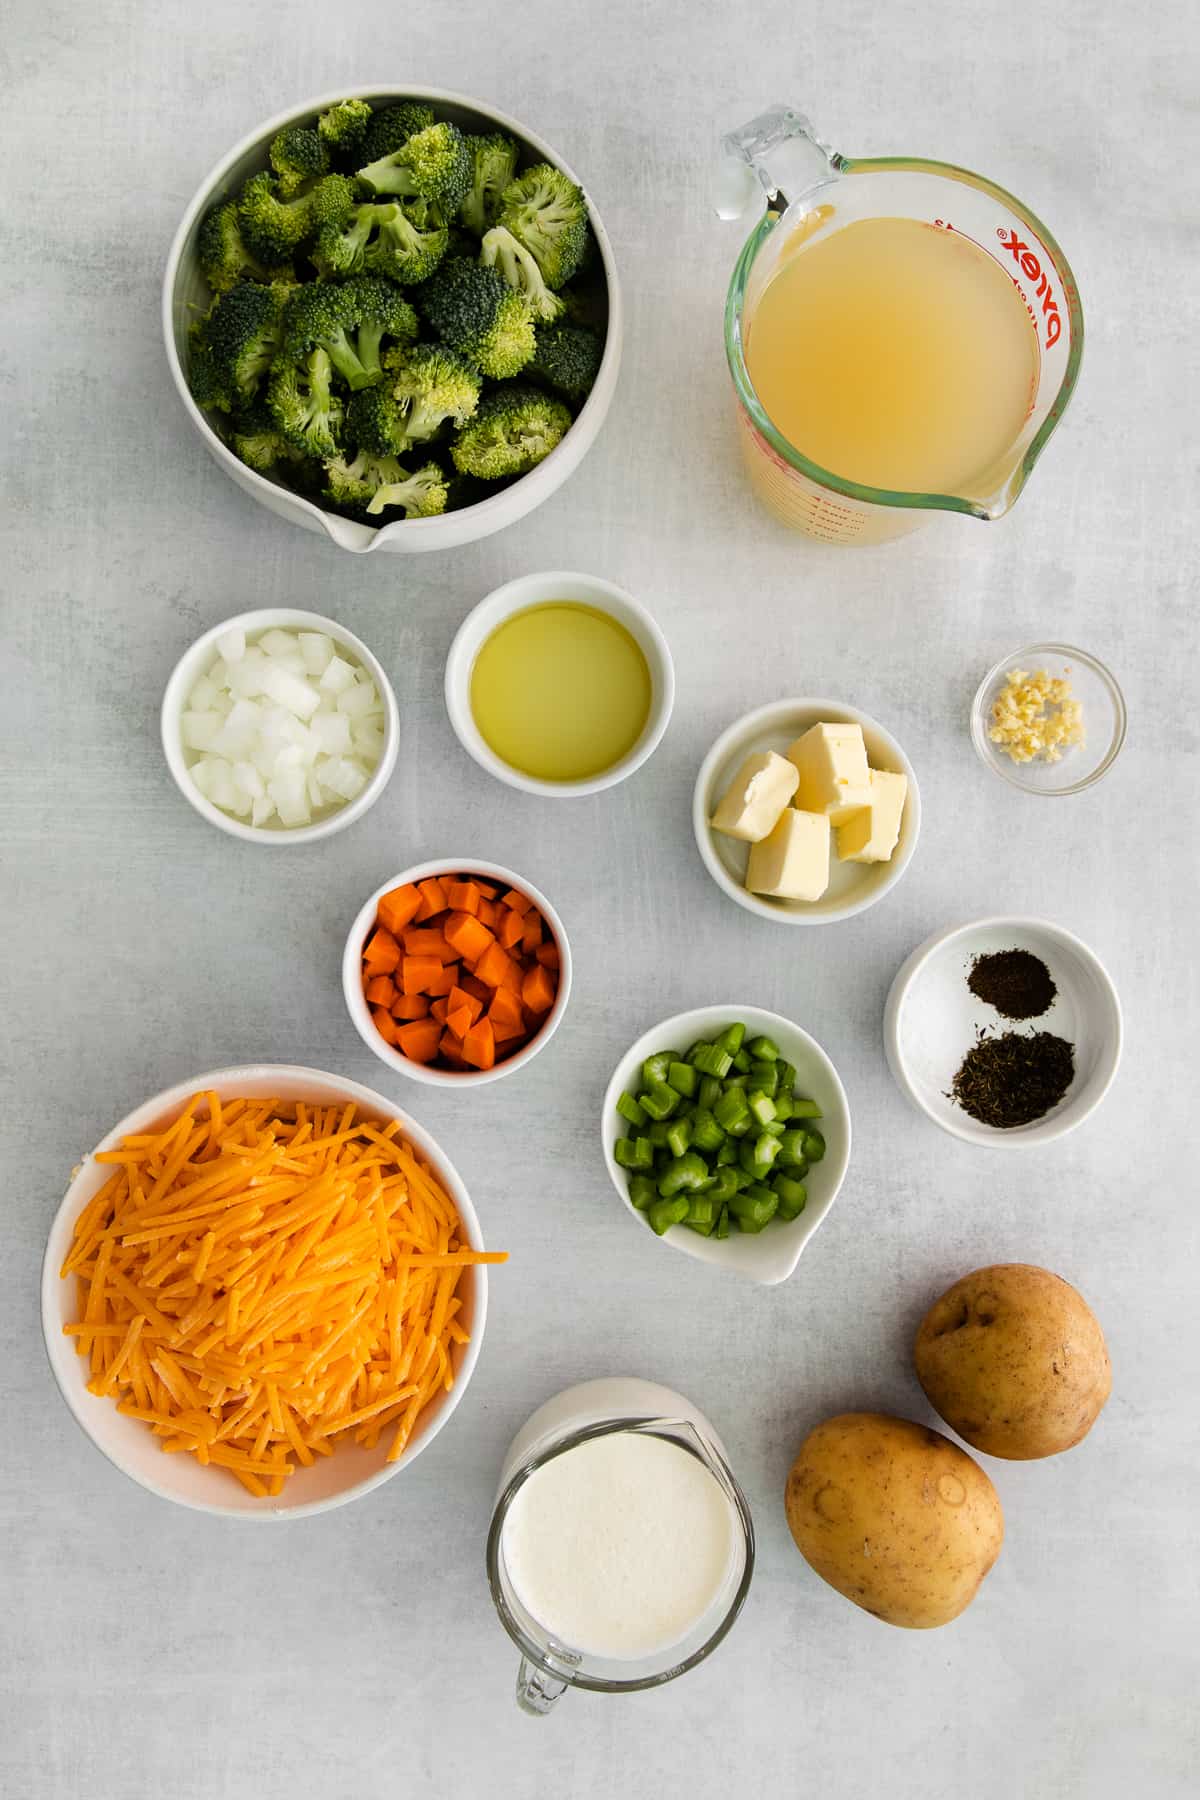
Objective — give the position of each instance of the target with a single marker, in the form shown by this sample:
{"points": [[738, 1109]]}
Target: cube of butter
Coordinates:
{"points": [[792, 863], [755, 797], [831, 761], [872, 834]]}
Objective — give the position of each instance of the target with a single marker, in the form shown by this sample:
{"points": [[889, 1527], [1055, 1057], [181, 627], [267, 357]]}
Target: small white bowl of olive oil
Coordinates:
{"points": [[559, 684]]}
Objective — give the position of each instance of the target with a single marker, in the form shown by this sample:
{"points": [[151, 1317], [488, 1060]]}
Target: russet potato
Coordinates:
{"points": [[894, 1516], [1014, 1360]]}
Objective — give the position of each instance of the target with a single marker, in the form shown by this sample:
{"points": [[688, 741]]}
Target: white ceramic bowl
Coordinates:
{"points": [[129, 1445], [768, 1256], [185, 297], [537, 590], [200, 657], [360, 1012], [1104, 720], [931, 1019], [852, 886]]}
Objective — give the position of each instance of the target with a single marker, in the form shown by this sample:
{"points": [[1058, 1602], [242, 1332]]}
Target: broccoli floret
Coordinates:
{"points": [[340, 249], [432, 387], [474, 311], [344, 127], [298, 155], [375, 422], [356, 483], [255, 437], [568, 358], [421, 495], [235, 344], [548, 214], [223, 254], [513, 430], [410, 241], [301, 400], [273, 227], [332, 201], [392, 126], [586, 304], [433, 164], [500, 250], [349, 321], [493, 165]]}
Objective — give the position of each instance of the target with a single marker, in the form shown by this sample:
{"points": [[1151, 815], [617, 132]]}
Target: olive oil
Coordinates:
{"points": [[560, 691]]}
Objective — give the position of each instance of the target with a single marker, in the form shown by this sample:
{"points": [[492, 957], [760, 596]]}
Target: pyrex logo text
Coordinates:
{"points": [[1032, 269]]}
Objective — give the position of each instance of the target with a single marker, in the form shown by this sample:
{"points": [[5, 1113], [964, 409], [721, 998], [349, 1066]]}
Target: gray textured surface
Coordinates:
{"points": [[144, 1651]]}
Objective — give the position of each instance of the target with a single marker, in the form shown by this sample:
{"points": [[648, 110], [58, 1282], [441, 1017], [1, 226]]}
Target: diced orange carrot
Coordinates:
{"points": [[426, 940], [445, 979], [487, 889], [417, 972], [419, 1040], [398, 908], [513, 976], [380, 990], [460, 999], [451, 1050], [488, 913], [471, 984], [504, 1031], [439, 1010], [547, 955], [382, 953], [537, 990], [512, 925], [468, 937], [479, 1045], [433, 899], [533, 931], [385, 1025], [461, 896], [507, 1006], [516, 901], [410, 1006], [492, 965], [459, 1021]]}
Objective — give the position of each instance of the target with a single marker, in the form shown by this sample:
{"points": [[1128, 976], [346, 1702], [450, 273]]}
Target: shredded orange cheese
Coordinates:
{"points": [[262, 1276]]}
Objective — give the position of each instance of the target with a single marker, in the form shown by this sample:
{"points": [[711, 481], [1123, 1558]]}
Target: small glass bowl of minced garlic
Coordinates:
{"points": [[1049, 719]]}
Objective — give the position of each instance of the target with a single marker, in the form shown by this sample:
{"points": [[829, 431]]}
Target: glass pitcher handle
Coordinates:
{"points": [[777, 154], [536, 1690]]}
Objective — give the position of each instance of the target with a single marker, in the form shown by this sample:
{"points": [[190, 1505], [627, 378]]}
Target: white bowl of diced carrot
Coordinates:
{"points": [[456, 972], [198, 1297]]}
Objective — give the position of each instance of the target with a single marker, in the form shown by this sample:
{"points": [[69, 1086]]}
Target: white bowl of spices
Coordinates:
{"points": [[1005, 1031], [1049, 719]]}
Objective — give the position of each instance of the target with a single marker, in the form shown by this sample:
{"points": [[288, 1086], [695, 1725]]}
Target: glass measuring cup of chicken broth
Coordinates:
{"points": [[903, 335]]}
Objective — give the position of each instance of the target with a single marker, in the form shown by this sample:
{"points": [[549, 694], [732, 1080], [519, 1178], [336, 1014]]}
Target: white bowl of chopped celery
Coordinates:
{"points": [[699, 1047], [186, 298]]}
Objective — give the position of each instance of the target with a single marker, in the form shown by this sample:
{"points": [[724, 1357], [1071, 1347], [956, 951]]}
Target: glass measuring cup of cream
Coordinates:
{"points": [[621, 1547]]}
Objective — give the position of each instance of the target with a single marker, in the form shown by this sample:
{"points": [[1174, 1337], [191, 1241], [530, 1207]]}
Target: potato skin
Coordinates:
{"points": [[894, 1516], [1014, 1360]]}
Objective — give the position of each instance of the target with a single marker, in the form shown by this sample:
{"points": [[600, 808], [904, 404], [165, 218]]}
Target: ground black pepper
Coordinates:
{"points": [[1016, 982], [1013, 1079]]}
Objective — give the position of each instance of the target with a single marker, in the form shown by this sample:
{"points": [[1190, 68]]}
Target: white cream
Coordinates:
{"points": [[620, 1546]]}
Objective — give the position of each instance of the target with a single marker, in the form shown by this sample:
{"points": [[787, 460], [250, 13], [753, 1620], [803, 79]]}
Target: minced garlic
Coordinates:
{"points": [[1036, 716]]}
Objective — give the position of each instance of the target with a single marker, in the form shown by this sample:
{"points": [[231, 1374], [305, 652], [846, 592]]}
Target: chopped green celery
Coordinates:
{"points": [[630, 1110], [731, 1109], [722, 1230], [753, 1207], [787, 1077], [659, 1100], [655, 1067], [727, 1154], [701, 1230], [683, 1078], [725, 1183], [783, 1107], [763, 1049], [709, 1092], [775, 1127], [791, 1148], [706, 1133], [656, 1132], [642, 1191], [814, 1146], [711, 1059], [764, 1076], [758, 1154], [805, 1109], [732, 1038], [634, 1153], [683, 1174], [702, 1210], [793, 1195], [679, 1136], [762, 1106], [665, 1213]]}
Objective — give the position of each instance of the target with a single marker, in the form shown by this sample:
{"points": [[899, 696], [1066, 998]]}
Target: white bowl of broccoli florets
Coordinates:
{"points": [[393, 316]]}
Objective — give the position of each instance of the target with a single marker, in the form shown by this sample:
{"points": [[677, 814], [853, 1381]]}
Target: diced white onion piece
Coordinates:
{"points": [[344, 777], [316, 649], [290, 691], [202, 695], [219, 673], [289, 791], [200, 729], [368, 741], [338, 675], [240, 730], [246, 677], [279, 643], [332, 732], [358, 700], [262, 810], [249, 780], [316, 793], [232, 644]]}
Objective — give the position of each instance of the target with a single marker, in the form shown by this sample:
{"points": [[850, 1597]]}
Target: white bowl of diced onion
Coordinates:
{"points": [[280, 726]]}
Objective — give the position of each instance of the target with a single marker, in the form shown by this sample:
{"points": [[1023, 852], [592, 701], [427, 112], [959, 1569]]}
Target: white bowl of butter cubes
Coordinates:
{"points": [[280, 726], [806, 811]]}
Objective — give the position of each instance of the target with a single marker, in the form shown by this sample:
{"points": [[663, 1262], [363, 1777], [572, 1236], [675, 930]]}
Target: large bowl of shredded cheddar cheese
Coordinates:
{"points": [[264, 1292]]}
